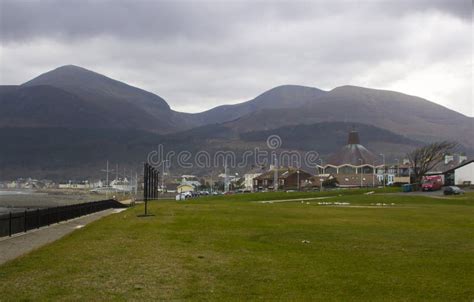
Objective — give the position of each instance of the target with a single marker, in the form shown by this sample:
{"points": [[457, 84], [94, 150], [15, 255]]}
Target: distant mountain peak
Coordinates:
{"points": [[94, 86], [291, 88], [72, 67], [71, 75]]}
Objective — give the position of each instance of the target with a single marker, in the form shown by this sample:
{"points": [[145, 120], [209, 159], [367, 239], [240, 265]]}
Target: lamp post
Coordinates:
{"points": [[320, 179], [398, 167], [298, 179], [373, 175], [383, 174], [361, 172], [321, 161]]}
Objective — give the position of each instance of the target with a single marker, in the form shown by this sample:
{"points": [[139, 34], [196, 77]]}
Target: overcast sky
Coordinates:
{"points": [[197, 54]]}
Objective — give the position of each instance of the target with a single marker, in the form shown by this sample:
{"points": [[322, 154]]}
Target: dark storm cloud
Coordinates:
{"points": [[134, 19], [199, 54], [22, 20]]}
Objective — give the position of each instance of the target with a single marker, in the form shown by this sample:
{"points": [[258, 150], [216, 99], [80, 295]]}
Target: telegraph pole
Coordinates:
{"points": [[107, 186]]}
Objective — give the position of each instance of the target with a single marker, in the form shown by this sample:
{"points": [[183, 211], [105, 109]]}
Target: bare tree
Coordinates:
{"points": [[427, 157]]}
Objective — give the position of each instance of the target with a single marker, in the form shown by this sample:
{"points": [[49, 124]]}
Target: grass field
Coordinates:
{"points": [[235, 248]]}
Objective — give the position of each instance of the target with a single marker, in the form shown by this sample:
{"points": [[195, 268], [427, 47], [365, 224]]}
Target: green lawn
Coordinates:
{"points": [[229, 249]]}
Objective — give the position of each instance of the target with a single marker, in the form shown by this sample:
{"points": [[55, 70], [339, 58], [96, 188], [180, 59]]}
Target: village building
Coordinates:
{"points": [[460, 174], [250, 176], [353, 165], [185, 187], [351, 159], [73, 184], [288, 179], [316, 182]]}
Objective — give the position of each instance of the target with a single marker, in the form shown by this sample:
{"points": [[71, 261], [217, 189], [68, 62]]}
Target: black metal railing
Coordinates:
{"points": [[29, 219], [150, 184]]}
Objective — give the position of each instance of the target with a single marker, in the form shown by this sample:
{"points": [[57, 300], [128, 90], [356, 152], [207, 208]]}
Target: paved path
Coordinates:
{"points": [[20, 244]]}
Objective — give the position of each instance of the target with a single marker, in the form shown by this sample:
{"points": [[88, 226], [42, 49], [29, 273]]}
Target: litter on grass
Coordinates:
{"points": [[382, 204], [336, 203]]}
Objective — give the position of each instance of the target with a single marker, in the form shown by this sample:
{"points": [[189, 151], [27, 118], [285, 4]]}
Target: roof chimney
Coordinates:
{"points": [[353, 138]]}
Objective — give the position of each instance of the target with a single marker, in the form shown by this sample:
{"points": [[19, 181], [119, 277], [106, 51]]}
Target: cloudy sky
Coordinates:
{"points": [[199, 54]]}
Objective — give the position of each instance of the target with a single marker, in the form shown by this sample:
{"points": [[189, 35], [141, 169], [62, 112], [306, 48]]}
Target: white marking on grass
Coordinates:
{"points": [[294, 199]]}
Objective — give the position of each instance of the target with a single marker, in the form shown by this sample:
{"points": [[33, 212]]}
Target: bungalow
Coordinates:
{"points": [[462, 174], [185, 187], [316, 182]]}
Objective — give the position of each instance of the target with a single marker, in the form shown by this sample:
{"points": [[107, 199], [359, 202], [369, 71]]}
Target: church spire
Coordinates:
{"points": [[353, 138]]}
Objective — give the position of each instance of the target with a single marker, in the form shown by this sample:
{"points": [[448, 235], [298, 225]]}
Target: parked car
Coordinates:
{"points": [[184, 196], [452, 190]]}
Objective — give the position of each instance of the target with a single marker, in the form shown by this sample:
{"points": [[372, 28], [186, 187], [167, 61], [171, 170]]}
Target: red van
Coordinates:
{"points": [[432, 183]]}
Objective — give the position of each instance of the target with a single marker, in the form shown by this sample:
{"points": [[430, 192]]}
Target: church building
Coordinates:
{"points": [[353, 165]]}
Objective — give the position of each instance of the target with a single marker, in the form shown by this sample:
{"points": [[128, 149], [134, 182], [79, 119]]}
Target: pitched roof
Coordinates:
{"points": [[441, 167], [462, 164], [256, 170], [282, 173]]}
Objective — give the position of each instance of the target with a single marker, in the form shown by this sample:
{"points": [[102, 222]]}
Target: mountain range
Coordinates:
{"points": [[78, 105]]}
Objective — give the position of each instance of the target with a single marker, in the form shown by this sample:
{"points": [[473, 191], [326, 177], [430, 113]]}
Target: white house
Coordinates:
{"points": [[461, 174], [250, 175], [464, 174]]}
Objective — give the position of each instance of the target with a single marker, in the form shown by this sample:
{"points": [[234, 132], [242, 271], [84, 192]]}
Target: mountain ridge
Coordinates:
{"points": [[129, 106], [68, 122]]}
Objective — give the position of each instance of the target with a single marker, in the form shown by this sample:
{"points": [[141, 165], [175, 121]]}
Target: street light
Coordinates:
{"points": [[398, 167], [361, 172], [383, 174], [298, 179], [321, 161], [164, 162], [373, 175]]}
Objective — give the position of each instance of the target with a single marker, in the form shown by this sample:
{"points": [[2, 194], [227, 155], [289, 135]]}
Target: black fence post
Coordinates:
{"points": [[150, 195], [153, 189], [151, 183], [154, 183], [47, 216], [158, 184], [145, 186]]}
